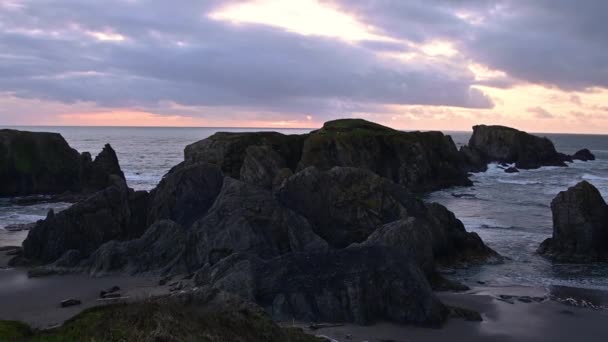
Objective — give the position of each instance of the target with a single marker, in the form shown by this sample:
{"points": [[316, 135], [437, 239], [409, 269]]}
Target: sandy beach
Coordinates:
{"points": [[36, 301], [507, 321]]}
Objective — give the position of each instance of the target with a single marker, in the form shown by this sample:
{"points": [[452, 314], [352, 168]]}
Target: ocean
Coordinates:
{"points": [[510, 212]]}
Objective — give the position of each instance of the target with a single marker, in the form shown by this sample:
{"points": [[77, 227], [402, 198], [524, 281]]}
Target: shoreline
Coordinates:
{"points": [[502, 321], [510, 313]]}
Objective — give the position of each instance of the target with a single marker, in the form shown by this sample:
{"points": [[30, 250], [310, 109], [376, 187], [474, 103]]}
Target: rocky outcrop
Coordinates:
{"points": [[186, 193], [508, 145], [346, 205], [43, 163], [343, 239], [580, 226], [359, 284], [116, 213], [420, 161], [230, 150], [584, 155]]}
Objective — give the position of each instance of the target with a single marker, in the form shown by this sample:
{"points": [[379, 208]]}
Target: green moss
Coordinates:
{"points": [[14, 331], [151, 321]]}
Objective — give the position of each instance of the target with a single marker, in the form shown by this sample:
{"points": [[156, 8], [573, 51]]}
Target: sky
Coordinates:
{"points": [[540, 65]]}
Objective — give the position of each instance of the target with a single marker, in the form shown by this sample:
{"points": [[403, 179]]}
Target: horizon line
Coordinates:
{"points": [[276, 128]]}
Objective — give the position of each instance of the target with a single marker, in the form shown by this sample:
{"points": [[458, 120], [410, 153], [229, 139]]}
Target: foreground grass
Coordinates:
{"points": [[159, 322]]}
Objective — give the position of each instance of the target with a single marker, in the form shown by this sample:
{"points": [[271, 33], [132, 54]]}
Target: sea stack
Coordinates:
{"points": [[37, 163], [580, 226]]}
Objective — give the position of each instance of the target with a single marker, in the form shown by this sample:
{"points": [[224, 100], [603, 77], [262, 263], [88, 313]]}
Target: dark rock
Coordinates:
{"points": [[229, 151], [19, 227], [584, 155], [508, 145], [345, 205], [361, 285], [162, 248], [43, 163], [96, 175], [247, 218], [104, 216], [466, 314], [112, 295], [420, 161], [580, 226], [511, 170], [111, 290], [70, 302], [186, 193]]}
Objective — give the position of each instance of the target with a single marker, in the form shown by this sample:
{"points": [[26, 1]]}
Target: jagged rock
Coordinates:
{"points": [[229, 150], [508, 145], [104, 216], [420, 161], [96, 175], [580, 226], [247, 218], [584, 155], [261, 166], [345, 205], [243, 218], [511, 170], [162, 248], [360, 284], [44, 163], [410, 236], [185, 193]]}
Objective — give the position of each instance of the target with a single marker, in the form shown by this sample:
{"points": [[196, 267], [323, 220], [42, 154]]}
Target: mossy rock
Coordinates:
{"points": [[151, 321]]}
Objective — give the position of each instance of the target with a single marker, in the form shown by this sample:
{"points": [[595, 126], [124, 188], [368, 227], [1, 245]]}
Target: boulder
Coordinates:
{"points": [[70, 302], [106, 215], [508, 145], [584, 155], [420, 161], [44, 163], [358, 284], [580, 226], [511, 170]]}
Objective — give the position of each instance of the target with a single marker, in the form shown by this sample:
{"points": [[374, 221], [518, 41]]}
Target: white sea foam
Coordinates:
{"points": [[518, 181]]}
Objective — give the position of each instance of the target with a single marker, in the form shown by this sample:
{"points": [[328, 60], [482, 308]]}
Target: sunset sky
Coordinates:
{"points": [[412, 64]]}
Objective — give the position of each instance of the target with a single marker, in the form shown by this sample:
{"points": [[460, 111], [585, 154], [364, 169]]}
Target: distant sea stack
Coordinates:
{"points": [[33, 163], [580, 226], [508, 145]]}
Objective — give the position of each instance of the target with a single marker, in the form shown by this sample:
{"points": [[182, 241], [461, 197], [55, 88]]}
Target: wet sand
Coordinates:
{"points": [[36, 301], [502, 321]]}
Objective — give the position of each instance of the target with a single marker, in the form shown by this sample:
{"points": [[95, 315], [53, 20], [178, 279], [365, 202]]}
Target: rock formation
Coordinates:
{"points": [[584, 155], [580, 226], [508, 145], [420, 161], [43, 163], [115, 213], [343, 239]]}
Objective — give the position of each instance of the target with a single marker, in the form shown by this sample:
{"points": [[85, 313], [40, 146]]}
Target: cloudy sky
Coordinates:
{"points": [[412, 64]]}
